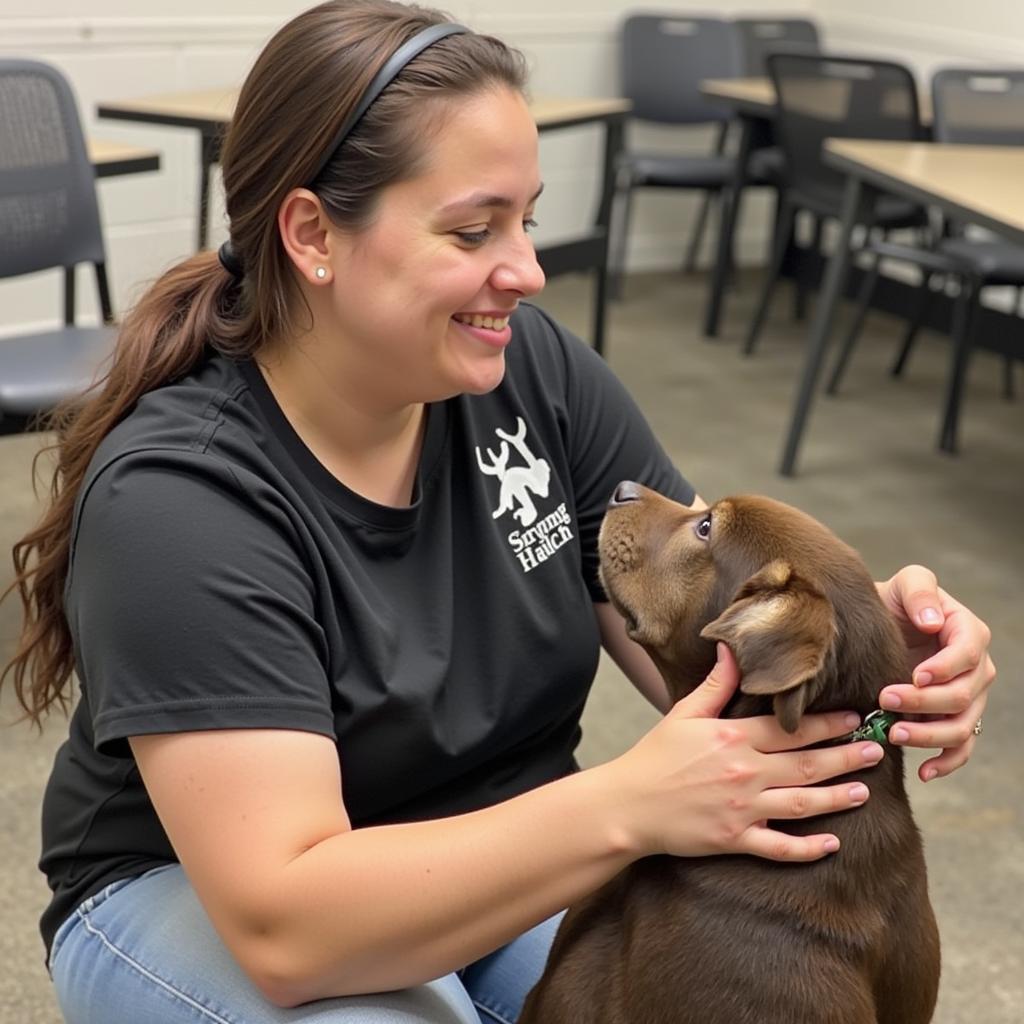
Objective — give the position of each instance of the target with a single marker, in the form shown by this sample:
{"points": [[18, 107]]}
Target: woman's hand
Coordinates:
{"points": [[697, 784], [948, 649]]}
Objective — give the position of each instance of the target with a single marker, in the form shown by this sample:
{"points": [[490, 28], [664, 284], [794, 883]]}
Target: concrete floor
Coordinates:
{"points": [[869, 469]]}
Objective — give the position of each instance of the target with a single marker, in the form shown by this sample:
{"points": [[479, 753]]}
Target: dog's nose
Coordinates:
{"points": [[626, 492]]}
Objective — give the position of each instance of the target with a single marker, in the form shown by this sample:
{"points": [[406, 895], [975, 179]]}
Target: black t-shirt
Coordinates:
{"points": [[222, 578]]}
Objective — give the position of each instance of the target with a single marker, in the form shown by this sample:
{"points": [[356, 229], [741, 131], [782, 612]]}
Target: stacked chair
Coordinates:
{"points": [[821, 97], [971, 105]]}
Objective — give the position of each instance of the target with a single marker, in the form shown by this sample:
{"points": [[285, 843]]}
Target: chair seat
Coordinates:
{"points": [[767, 165], [893, 212], [995, 262], [677, 171], [38, 371], [889, 211]]}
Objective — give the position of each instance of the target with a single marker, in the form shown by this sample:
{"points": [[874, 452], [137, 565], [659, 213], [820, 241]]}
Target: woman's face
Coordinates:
{"points": [[421, 298]]}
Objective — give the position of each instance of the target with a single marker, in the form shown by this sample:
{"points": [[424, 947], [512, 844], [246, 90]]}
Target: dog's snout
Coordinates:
{"points": [[626, 492]]}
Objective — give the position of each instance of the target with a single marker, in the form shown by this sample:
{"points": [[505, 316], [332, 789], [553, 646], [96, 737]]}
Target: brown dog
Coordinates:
{"points": [[850, 939]]}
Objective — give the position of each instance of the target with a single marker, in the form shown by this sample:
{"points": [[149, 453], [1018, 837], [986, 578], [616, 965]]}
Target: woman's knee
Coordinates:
{"points": [[145, 951]]}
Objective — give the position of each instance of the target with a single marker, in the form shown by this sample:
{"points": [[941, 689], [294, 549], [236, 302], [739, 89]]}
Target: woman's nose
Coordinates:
{"points": [[519, 271]]}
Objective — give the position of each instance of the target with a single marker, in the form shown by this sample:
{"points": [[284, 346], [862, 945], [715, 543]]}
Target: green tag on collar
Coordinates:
{"points": [[875, 727]]}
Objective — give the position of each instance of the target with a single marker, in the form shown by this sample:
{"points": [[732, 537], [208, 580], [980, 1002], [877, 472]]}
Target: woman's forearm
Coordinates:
{"points": [[391, 906]]}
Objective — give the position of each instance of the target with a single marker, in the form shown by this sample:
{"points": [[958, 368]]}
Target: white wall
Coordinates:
{"points": [[927, 33], [115, 52]]}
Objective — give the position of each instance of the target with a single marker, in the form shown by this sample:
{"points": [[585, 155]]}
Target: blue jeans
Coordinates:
{"points": [[143, 950]]}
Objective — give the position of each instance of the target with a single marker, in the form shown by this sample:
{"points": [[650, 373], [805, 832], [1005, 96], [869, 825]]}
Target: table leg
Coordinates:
{"points": [[855, 200]]}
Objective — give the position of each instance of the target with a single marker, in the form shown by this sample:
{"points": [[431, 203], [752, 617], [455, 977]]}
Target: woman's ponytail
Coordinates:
{"points": [[161, 340]]}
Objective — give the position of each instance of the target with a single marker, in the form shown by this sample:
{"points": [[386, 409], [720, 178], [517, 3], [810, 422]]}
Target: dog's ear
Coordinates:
{"points": [[781, 629]]}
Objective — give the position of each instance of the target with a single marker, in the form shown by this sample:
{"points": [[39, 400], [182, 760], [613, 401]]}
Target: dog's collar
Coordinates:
{"points": [[875, 727]]}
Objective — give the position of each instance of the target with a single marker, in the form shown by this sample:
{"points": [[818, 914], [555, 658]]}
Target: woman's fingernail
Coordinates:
{"points": [[929, 617], [851, 721], [899, 734], [858, 792], [831, 845], [923, 678], [891, 701], [872, 752], [928, 774]]}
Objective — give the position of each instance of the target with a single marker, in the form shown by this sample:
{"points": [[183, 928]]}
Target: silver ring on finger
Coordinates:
{"points": [[978, 728]]}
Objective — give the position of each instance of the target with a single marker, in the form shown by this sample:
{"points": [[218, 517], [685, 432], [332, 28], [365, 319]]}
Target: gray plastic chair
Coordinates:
{"points": [[971, 106], [49, 218], [825, 96], [663, 59], [762, 36]]}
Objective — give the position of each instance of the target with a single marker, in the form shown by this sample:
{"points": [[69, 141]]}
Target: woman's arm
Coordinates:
{"points": [[634, 662], [311, 908]]}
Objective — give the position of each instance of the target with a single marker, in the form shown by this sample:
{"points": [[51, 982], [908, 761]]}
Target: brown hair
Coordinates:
{"points": [[294, 100]]}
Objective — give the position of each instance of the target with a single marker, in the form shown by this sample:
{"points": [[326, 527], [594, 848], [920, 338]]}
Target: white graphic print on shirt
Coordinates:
{"points": [[539, 540]]}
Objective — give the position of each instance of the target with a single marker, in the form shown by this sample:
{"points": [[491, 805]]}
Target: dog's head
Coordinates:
{"points": [[796, 605]]}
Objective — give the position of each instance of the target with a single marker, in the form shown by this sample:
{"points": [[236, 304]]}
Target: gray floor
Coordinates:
{"points": [[869, 469]]}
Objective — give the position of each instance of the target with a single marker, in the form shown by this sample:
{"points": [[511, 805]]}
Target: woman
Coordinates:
{"points": [[322, 551]]}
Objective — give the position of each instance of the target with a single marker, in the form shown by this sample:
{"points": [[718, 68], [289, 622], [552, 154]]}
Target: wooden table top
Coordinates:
{"points": [[111, 158], [752, 92], [213, 108], [757, 95], [982, 184]]}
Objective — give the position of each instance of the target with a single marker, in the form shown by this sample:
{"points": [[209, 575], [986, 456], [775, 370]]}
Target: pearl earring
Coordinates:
{"points": [[321, 273]]}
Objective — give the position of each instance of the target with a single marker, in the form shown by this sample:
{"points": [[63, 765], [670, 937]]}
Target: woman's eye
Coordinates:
{"points": [[481, 236], [703, 528], [473, 237]]}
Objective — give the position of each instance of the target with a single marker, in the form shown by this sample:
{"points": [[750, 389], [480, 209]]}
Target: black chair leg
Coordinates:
{"points": [[693, 249], [924, 296], [697, 235], [622, 202], [867, 289], [787, 217], [802, 289], [1009, 384], [69, 296], [103, 288], [963, 319]]}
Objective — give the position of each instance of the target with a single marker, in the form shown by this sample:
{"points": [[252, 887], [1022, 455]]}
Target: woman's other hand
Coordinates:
{"points": [[951, 670]]}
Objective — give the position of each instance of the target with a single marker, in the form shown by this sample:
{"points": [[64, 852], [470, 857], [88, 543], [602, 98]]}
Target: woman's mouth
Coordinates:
{"points": [[493, 331], [491, 323]]}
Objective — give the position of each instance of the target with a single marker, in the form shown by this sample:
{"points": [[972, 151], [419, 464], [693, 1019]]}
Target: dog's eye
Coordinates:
{"points": [[703, 527]]}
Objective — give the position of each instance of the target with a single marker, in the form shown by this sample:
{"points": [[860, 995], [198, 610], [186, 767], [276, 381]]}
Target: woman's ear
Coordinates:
{"points": [[305, 235], [781, 629]]}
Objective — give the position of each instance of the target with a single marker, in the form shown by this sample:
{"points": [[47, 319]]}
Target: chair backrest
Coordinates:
{"points": [[49, 216], [979, 105], [664, 58], [822, 97], [761, 36]]}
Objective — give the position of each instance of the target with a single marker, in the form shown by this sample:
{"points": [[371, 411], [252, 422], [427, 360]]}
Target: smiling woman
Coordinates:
{"points": [[446, 254], [323, 552]]}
